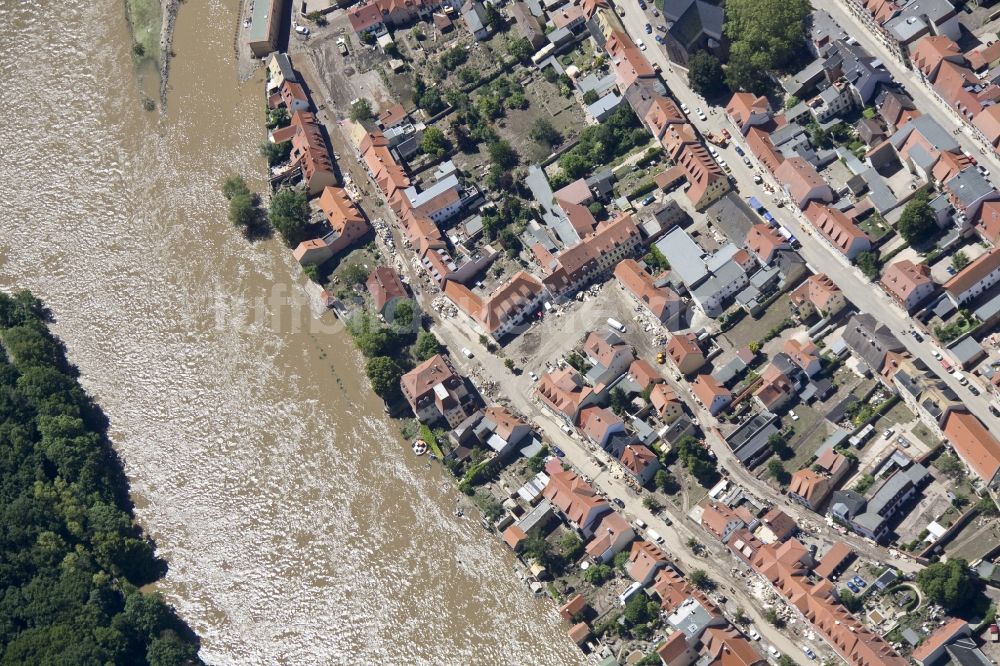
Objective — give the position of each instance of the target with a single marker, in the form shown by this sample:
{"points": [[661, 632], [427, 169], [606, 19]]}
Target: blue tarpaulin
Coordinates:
{"points": [[755, 203]]}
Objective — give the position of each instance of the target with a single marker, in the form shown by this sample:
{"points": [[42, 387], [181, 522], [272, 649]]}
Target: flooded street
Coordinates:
{"points": [[297, 527]]}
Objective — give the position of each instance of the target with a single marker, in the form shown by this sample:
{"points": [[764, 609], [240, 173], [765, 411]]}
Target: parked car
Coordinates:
{"points": [[887, 434], [640, 44], [746, 160], [854, 588], [684, 107], [917, 336], [558, 453], [729, 136], [791, 413], [753, 634], [533, 376], [983, 170], [773, 651], [859, 581], [757, 179], [809, 652], [648, 29], [973, 390], [950, 269], [642, 4], [936, 354], [618, 503], [701, 115], [661, 28], [739, 151], [660, 40], [648, 200], [302, 30], [621, 10], [655, 12]]}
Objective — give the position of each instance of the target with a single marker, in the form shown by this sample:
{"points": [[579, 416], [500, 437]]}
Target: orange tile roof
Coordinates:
{"points": [[989, 221], [607, 529], [579, 632], [597, 421], [707, 389], [743, 104], [629, 62], [835, 226], [833, 559], [988, 122], [715, 517], [662, 397], [636, 458], [927, 54], [763, 240], [422, 379], [799, 177], [729, 648], [563, 390], [972, 274], [672, 648], [762, 147], [575, 605], [802, 353], [573, 496], [941, 636], [514, 536], [644, 559], [674, 590], [659, 300], [644, 374], [818, 289], [662, 112], [974, 443], [903, 277], [385, 285], [576, 192]]}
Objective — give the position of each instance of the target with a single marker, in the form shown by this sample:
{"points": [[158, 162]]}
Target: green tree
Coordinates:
{"points": [[850, 601], [590, 97], [950, 585], [402, 313], [598, 574], [354, 274], [276, 153], [502, 154], [384, 374], [777, 471], [705, 75], [278, 118], [289, 215], [434, 142], [521, 49], [427, 346], [621, 560], [570, 547], [651, 503], [868, 263], [959, 260], [545, 132], [618, 400], [772, 616], [785, 660], [508, 363], [640, 610], [700, 579], [242, 211], [765, 34], [666, 482], [234, 185], [917, 223], [361, 110]]}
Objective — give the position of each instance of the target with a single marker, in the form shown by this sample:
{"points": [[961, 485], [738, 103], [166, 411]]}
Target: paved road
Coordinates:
{"points": [[821, 257]]}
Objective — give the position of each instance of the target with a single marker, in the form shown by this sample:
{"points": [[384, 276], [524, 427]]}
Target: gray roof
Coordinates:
{"points": [[749, 441], [552, 213], [691, 618], [284, 66], [846, 503], [682, 426], [870, 340], [730, 370], [878, 191], [474, 14], [937, 136], [823, 26], [964, 652], [786, 133], [920, 11], [988, 306], [684, 255], [600, 86], [884, 498], [966, 350], [560, 35], [604, 105], [969, 186], [539, 515]]}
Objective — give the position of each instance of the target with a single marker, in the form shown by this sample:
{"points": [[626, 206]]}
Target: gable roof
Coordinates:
{"points": [[904, 277], [974, 443], [573, 496]]}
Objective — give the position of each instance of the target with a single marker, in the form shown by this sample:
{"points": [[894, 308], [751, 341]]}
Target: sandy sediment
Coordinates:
{"points": [[169, 9]]}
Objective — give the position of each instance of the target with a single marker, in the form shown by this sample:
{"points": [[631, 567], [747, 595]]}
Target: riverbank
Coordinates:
{"points": [[151, 23]]}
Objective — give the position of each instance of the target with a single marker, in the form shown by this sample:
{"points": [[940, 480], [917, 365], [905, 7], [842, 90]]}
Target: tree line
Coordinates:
{"points": [[72, 559]]}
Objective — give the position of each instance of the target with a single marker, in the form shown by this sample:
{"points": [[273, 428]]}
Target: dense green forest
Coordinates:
{"points": [[71, 556]]}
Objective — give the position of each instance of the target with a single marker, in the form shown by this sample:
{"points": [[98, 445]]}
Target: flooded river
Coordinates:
{"points": [[297, 529]]}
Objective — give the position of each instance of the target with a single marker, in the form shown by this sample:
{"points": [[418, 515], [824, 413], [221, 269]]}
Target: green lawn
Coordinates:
{"points": [[751, 330], [146, 18], [810, 432]]}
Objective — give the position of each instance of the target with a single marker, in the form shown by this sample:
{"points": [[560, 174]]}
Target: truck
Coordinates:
{"points": [[717, 139], [617, 325], [342, 45]]}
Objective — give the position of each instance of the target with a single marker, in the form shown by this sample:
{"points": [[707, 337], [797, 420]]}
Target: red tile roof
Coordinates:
{"points": [[974, 443]]}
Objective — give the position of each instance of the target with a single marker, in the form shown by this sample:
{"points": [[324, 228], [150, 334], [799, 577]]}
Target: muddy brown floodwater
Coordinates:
{"points": [[298, 528]]}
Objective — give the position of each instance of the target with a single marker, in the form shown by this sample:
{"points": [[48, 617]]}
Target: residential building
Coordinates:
{"points": [[475, 17], [818, 294], [887, 501], [265, 26], [609, 356], [592, 258], [662, 113], [871, 341], [776, 525], [908, 283], [975, 445], [786, 566], [988, 223], [726, 647], [664, 400], [711, 279], [833, 563], [974, 279], [934, 647], [505, 310], [837, 229], [750, 442], [713, 396], [527, 24], [436, 391], [930, 51], [347, 226], [810, 488], [628, 61], [969, 190], [385, 287], [661, 302], [309, 154], [639, 462], [720, 520], [745, 110], [643, 373], [644, 561], [805, 355], [565, 392], [612, 534], [677, 650], [377, 16], [781, 382], [599, 424], [765, 242], [575, 498], [501, 430], [802, 183], [686, 354], [292, 96], [279, 70]]}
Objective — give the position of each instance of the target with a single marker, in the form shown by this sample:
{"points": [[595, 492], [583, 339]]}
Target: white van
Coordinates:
{"points": [[962, 379], [617, 325], [654, 536], [640, 523]]}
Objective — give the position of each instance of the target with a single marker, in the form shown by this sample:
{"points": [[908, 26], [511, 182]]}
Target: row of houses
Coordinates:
{"points": [[765, 542]]}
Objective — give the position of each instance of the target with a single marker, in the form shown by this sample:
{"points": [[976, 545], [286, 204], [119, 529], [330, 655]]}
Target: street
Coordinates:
{"points": [[865, 295]]}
